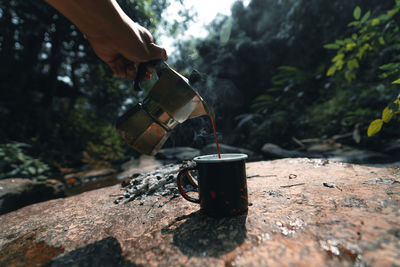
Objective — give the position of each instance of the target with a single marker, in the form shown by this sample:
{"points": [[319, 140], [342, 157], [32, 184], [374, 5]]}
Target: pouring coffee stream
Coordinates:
{"points": [[171, 101], [215, 134]]}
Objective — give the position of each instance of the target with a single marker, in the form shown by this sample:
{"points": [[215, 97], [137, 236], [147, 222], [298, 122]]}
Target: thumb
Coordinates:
{"points": [[157, 52]]}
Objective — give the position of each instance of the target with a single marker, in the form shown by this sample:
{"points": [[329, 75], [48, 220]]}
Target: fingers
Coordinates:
{"points": [[154, 52], [131, 72], [150, 71], [148, 76], [157, 52], [120, 67], [117, 66], [126, 69], [123, 68], [150, 49]]}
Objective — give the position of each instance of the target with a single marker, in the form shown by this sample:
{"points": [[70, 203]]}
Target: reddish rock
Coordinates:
{"points": [[303, 212]]}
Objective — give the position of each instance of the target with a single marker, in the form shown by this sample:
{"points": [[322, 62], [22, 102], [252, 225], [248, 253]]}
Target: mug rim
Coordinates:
{"points": [[226, 157]]}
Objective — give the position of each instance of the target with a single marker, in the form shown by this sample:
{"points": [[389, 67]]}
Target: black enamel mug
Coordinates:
{"points": [[221, 182]]}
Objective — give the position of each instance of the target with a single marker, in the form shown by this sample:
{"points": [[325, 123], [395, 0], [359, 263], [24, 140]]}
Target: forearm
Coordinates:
{"points": [[114, 37], [93, 17]]}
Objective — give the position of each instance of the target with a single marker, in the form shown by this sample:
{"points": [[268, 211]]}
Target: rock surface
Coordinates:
{"points": [[332, 151], [303, 212], [19, 192]]}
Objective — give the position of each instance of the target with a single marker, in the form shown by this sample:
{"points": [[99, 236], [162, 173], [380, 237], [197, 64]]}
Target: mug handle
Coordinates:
{"points": [[185, 171]]}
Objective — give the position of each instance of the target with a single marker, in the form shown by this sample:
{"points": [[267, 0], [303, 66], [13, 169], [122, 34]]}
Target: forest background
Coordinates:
{"points": [[272, 71]]}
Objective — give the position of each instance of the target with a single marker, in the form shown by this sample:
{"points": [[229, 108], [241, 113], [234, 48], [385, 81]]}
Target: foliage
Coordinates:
{"points": [[15, 162], [388, 113], [288, 81], [373, 37], [97, 140], [263, 74], [56, 94], [106, 148], [291, 89], [273, 52]]}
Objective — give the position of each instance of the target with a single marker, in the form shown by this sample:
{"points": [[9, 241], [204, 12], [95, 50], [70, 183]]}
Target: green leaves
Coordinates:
{"points": [[331, 46], [391, 71], [15, 162], [373, 35], [374, 39], [357, 13], [374, 127], [331, 71], [366, 17], [338, 57], [387, 114], [375, 22], [350, 46], [352, 64], [262, 103], [392, 12], [349, 76]]}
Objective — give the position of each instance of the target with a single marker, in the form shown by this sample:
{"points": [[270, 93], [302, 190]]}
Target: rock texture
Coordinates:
{"points": [[329, 150], [18, 192], [303, 212]]}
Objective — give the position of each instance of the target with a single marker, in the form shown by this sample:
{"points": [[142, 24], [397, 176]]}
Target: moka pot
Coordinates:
{"points": [[171, 101]]}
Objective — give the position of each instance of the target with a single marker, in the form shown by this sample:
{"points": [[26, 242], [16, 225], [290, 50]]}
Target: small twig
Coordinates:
{"points": [[297, 141], [341, 136], [257, 175], [291, 185], [332, 186], [310, 140], [329, 185]]}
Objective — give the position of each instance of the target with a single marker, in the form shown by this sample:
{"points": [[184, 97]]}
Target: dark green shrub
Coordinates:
{"points": [[15, 162]]}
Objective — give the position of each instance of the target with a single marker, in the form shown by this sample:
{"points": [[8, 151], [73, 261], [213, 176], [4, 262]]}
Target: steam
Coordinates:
{"points": [[222, 98], [221, 95], [205, 136]]}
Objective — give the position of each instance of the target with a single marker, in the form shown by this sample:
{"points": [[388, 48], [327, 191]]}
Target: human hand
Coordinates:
{"points": [[114, 37], [126, 47]]}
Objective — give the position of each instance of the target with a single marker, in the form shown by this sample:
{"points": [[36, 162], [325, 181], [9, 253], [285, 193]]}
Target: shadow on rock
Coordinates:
{"points": [[106, 252], [16, 193], [199, 235]]}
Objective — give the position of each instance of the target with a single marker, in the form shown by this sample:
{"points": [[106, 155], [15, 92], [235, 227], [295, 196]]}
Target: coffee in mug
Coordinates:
{"points": [[221, 182]]}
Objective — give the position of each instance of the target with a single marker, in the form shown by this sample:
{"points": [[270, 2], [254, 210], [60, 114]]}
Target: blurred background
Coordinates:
{"points": [[281, 72]]}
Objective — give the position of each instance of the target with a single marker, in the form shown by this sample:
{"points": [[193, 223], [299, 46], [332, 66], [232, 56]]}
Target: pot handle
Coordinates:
{"points": [[186, 171], [142, 70]]}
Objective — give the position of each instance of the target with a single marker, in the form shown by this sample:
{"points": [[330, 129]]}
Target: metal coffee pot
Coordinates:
{"points": [[171, 101]]}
